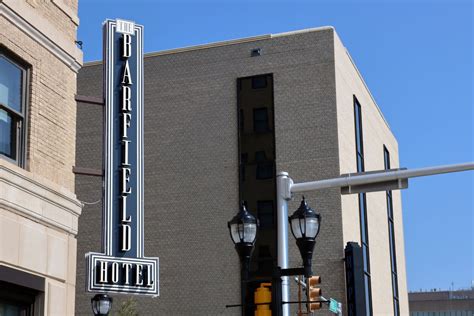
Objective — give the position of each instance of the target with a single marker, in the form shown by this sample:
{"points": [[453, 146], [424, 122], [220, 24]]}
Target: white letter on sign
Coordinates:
{"points": [[126, 79], [138, 276], [126, 237], [103, 272], [115, 272], [127, 46], [126, 98]]}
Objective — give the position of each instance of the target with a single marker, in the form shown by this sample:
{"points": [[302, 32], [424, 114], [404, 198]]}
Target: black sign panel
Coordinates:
{"points": [[122, 266]]}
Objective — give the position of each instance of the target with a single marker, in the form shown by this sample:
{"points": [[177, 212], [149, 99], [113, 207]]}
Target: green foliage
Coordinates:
{"points": [[128, 308]]}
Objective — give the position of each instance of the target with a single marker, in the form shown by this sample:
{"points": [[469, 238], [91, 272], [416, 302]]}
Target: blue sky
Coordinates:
{"points": [[417, 59]]}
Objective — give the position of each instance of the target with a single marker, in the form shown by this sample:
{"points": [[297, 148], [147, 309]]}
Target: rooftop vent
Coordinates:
{"points": [[256, 52]]}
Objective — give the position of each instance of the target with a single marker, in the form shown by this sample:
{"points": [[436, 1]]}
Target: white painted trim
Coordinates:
{"points": [[310, 30], [71, 56]]}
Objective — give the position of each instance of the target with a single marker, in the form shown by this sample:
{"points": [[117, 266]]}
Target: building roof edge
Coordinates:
{"points": [[223, 43]]}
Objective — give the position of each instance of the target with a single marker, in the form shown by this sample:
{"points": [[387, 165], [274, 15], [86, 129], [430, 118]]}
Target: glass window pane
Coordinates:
{"points": [[363, 218], [389, 206], [392, 249], [365, 256], [358, 140], [386, 158], [265, 214], [264, 170], [358, 127], [259, 82], [241, 120], [367, 295], [394, 284], [10, 84], [360, 163], [260, 156], [260, 120], [7, 135]]}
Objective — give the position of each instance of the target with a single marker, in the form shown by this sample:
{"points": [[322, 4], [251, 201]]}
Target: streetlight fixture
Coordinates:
{"points": [[243, 231], [305, 224], [101, 304]]}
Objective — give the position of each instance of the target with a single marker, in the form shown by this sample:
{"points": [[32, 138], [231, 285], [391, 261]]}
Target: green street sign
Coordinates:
{"points": [[334, 306]]}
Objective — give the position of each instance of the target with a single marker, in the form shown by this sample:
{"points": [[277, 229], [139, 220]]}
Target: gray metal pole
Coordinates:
{"points": [[382, 176], [285, 187], [283, 196]]}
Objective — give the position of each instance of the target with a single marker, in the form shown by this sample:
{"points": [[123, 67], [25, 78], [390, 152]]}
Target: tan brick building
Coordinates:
{"points": [[220, 121], [39, 211]]}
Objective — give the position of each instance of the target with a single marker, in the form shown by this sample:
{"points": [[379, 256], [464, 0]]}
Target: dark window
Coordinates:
{"points": [[265, 214], [260, 156], [260, 120], [243, 162], [391, 239], [12, 109], [265, 170], [18, 300], [257, 138], [241, 120], [259, 82], [364, 235], [264, 166]]}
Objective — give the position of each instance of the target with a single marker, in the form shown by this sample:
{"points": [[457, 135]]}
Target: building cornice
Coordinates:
{"points": [[40, 30], [38, 200]]}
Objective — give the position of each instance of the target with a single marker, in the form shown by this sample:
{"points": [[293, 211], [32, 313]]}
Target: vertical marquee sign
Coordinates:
{"points": [[122, 267]]}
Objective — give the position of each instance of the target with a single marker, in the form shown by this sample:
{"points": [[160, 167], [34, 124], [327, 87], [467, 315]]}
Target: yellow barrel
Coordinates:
{"points": [[263, 295]]}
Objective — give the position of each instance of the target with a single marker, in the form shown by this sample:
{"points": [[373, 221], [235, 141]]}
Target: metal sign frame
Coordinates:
{"points": [[122, 267]]}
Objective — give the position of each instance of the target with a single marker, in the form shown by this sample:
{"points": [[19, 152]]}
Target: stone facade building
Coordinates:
{"points": [[220, 121], [442, 303], [39, 211]]}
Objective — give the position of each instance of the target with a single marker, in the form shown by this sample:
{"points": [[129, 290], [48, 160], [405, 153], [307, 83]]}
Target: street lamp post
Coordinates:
{"points": [[243, 231], [304, 224], [101, 304], [351, 183]]}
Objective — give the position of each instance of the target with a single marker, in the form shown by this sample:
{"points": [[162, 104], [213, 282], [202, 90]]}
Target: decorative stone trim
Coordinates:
{"points": [[69, 55], [33, 198], [67, 10]]}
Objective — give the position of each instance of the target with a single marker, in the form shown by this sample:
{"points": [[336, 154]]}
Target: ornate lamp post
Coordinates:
{"points": [[243, 231], [305, 223], [101, 304]]}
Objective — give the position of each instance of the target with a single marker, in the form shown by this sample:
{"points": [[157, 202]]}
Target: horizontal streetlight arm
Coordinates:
{"points": [[285, 188], [375, 177]]}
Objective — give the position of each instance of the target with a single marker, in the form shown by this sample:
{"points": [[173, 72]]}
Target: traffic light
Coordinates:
{"points": [[314, 293], [263, 295]]}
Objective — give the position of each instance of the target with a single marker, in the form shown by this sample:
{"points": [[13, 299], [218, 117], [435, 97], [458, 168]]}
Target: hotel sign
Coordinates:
{"points": [[122, 266]]}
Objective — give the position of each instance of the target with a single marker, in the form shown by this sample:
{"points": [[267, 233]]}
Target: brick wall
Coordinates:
{"points": [[191, 168], [38, 208], [376, 135], [61, 13], [51, 109], [191, 163]]}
